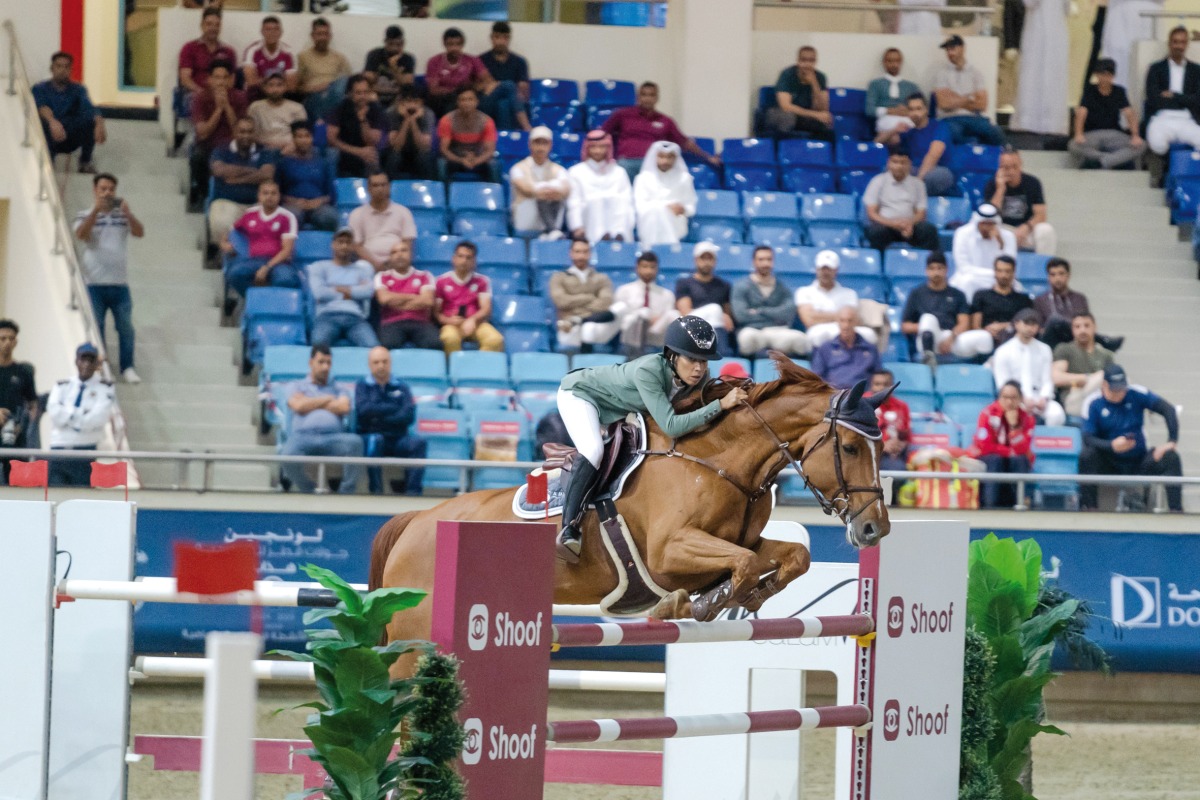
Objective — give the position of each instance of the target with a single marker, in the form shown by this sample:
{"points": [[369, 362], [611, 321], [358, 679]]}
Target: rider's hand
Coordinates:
{"points": [[733, 398]]}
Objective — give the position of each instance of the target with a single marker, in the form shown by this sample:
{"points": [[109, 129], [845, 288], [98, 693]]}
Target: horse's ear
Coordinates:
{"points": [[876, 400], [852, 399]]}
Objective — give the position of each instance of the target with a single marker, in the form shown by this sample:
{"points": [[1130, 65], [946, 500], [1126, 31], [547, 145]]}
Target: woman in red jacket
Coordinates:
{"points": [[1003, 440]]}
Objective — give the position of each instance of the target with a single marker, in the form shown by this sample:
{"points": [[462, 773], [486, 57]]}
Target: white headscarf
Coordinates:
{"points": [[676, 174]]}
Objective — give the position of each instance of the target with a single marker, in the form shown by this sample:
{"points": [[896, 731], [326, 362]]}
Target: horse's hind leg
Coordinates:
{"points": [[676, 605], [785, 561]]}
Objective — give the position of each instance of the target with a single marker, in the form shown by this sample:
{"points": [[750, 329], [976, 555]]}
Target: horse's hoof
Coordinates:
{"points": [[569, 550]]}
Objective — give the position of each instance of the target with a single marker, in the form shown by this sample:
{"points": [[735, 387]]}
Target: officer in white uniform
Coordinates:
{"points": [[79, 409]]}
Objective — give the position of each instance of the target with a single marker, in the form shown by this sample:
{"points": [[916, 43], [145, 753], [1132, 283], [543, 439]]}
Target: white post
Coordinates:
{"points": [[230, 703]]}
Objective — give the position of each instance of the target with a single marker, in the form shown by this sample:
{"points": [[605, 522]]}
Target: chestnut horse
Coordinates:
{"points": [[697, 507]]}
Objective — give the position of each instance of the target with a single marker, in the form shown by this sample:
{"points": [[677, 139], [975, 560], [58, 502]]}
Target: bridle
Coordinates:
{"points": [[839, 504]]}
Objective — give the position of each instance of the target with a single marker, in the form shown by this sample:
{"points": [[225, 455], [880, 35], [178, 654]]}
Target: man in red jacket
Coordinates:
{"points": [[895, 421], [1003, 439]]}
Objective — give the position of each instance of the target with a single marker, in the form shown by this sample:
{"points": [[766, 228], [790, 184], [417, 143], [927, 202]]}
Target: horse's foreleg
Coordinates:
{"points": [[785, 561], [691, 551]]}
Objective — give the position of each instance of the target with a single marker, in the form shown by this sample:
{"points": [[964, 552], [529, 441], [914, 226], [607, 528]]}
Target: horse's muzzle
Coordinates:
{"points": [[862, 532]]}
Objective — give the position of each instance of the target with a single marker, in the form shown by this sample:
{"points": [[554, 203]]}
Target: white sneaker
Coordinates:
{"points": [[130, 376]]}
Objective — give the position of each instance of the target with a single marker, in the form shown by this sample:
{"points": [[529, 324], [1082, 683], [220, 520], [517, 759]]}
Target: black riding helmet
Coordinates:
{"points": [[693, 337]]}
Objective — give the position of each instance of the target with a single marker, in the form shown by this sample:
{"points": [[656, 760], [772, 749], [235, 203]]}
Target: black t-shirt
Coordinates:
{"points": [[701, 293], [514, 68], [1019, 200], [996, 307], [1103, 113], [945, 304], [352, 132], [16, 385], [387, 84]]}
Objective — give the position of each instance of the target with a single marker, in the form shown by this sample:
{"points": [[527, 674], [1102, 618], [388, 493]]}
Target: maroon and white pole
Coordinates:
{"points": [[608, 634], [613, 730]]}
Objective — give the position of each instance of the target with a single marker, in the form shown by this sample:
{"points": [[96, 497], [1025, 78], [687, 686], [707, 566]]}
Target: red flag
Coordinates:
{"points": [[216, 568], [108, 476], [29, 473]]}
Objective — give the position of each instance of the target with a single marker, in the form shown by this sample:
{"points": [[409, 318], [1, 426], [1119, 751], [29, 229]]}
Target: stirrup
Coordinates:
{"points": [[569, 548]]}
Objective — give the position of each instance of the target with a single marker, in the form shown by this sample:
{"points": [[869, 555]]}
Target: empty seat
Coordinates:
{"points": [[774, 233], [1032, 266], [512, 144], [550, 255], [567, 147], [855, 181], [507, 280], [858, 261], [260, 334], [720, 231], [477, 196], [674, 257], [757, 152], [704, 176], [948, 212], [480, 379], [518, 341], [869, 156], [965, 410], [425, 373], [610, 93], [805, 153], [806, 180], [743, 178], [350, 363], [544, 371], [447, 436], [914, 385], [736, 260], [351, 192], [487, 424], [797, 261], [501, 251], [904, 262], [615, 255], [523, 311], [314, 246], [868, 287], [1057, 453], [980, 158], [972, 184], [765, 206], [559, 118], [419, 194], [847, 101], [965, 380], [434, 252], [553, 92], [828, 208], [926, 433]]}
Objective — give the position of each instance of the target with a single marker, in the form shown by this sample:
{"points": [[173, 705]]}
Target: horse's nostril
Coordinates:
{"points": [[869, 531]]}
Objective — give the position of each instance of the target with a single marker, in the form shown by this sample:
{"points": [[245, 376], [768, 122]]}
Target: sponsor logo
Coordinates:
{"points": [[477, 627], [891, 720], [511, 746], [437, 426], [473, 743], [510, 428], [514, 633], [895, 617], [931, 620], [915, 722], [1136, 602]]}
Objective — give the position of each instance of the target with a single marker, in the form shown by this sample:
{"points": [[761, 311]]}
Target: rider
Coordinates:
{"points": [[590, 398]]}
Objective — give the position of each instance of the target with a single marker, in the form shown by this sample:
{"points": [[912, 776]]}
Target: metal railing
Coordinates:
{"points": [[47, 192]]}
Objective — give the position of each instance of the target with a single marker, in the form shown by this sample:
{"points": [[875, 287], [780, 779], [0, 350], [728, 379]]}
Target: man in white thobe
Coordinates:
{"points": [[664, 196], [600, 205], [976, 246]]}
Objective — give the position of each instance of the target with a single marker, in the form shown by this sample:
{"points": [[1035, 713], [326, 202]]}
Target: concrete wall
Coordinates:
{"points": [[39, 26]]}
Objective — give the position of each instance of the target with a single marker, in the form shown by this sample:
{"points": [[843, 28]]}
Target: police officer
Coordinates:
{"points": [[385, 410], [79, 409]]}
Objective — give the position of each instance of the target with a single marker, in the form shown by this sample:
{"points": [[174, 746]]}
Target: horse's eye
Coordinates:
{"points": [[850, 449]]}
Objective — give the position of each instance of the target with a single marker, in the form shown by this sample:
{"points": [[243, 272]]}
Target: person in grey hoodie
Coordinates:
{"points": [[764, 311], [342, 289]]}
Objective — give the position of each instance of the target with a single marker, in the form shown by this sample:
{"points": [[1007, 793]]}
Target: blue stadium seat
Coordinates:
{"points": [[748, 152], [615, 255], [526, 311], [868, 287], [904, 262], [1031, 266], [858, 261], [965, 380], [770, 206], [425, 373], [854, 181], [901, 287], [739, 177], [806, 153], [828, 208], [735, 260], [553, 92], [971, 185], [262, 334], [419, 194], [869, 156], [674, 257], [501, 252], [774, 233], [538, 370], [927, 433], [805, 180], [965, 410], [915, 385], [433, 253], [536, 405], [487, 422], [948, 212], [350, 364], [477, 224], [512, 144], [567, 147], [448, 437], [480, 379], [507, 280], [847, 101], [597, 116], [314, 246], [721, 231], [704, 176], [273, 302], [979, 158], [718, 204], [351, 192], [585, 360], [285, 363], [559, 118], [477, 197], [609, 93], [1057, 450], [550, 255], [825, 234], [850, 129], [1185, 200], [764, 370], [796, 261], [526, 341]]}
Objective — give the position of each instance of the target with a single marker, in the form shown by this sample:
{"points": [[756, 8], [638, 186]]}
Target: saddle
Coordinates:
{"points": [[622, 441]]}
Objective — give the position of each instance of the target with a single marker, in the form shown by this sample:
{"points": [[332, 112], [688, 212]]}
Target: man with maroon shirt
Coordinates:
{"points": [[895, 420], [637, 127], [450, 72], [197, 57], [270, 231], [215, 110], [464, 304], [269, 55], [405, 297]]}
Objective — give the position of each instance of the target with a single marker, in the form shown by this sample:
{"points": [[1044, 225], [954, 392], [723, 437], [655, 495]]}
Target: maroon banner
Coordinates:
{"points": [[491, 608]]}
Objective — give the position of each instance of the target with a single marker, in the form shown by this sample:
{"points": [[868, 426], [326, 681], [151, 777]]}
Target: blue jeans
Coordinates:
{"points": [[379, 445], [973, 126], [324, 218], [503, 105], [70, 472], [997, 495], [239, 275], [329, 328], [347, 445], [318, 104], [115, 298]]}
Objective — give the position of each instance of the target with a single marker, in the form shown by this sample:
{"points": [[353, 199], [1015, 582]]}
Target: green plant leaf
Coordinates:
{"points": [[361, 669], [1031, 552], [352, 773], [349, 596], [1044, 627], [355, 631], [382, 604], [324, 737]]}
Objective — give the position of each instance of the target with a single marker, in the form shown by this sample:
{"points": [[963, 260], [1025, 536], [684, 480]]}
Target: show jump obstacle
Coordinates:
{"points": [[900, 692]]}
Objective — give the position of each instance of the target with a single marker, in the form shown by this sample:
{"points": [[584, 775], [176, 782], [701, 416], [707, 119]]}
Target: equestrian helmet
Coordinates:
{"points": [[693, 337]]}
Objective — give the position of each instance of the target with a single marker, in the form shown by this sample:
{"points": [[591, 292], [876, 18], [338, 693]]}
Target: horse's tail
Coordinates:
{"points": [[381, 548]]}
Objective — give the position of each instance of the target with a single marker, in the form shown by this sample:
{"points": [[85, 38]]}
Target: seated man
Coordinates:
{"points": [[239, 168], [355, 130], [847, 358], [268, 55], [1003, 440], [764, 311], [895, 202], [467, 138], [1079, 365], [1058, 306], [320, 411], [389, 68], [818, 303], [306, 181], [539, 189], [501, 101], [994, 309], [321, 72], [977, 245], [18, 398], [802, 100], [1022, 205], [887, 96], [926, 142], [937, 315], [384, 412], [707, 295], [450, 72], [503, 64], [380, 223], [464, 304], [79, 410], [410, 125], [215, 110], [1114, 441], [69, 120], [962, 97], [895, 421], [1172, 100], [405, 298], [635, 128], [582, 299], [1099, 140], [644, 308], [197, 57], [664, 196], [342, 289], [1027, 361], [274, 114], [600, 201], [270, 232]]}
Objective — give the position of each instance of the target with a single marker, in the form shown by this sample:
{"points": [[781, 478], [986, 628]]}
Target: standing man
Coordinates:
{"points": [[644, 308], [1027, 362], [802, 100], [993, 310], [385, 410], [582, 298], [887, 95], [104, 232], [936, 314], [962, 97], [926, 142], [895, 202], [1172, 102], [1022, 205], [406, 298], [69, 120], [1114, 442], [503, 63], [389, 68], [320, 411], [847, 358], [539, 189], [1079, 364], [818, 303], [1099, 140], [450, 72], [342, 289], [78, 408], [635, 128], [764, 312], [321, 72], [707, 295], [379, 224], [464, 304], [197, 57], [18, 396]]}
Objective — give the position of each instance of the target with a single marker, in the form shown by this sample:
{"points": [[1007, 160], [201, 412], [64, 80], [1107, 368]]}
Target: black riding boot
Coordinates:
{"points": [[570, 543]]}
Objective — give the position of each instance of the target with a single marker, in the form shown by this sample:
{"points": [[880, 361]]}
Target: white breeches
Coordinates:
{"points": [[776, 337], [1170, 126], [824, 332], [583, 423], [967, 345]]}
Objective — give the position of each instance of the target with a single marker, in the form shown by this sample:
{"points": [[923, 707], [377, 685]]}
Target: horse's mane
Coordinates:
{"points": [[790, 374]]}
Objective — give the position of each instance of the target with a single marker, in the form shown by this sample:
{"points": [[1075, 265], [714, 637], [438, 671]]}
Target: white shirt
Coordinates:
{"points": [[1027, 364], [630, 298], [826, 301], [78, 411], [1175, 71], [972, 251]]}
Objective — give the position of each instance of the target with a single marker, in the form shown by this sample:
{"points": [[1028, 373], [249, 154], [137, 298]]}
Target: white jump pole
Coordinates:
{"points": [[230, 703]]}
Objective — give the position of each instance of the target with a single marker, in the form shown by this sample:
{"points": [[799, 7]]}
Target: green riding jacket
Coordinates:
{"points": [[645, 384]]}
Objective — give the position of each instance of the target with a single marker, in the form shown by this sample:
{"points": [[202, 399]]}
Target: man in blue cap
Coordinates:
{"points": [[79, 410], [1114, 442]]}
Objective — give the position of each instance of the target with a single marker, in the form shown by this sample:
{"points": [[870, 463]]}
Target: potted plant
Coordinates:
{"points": [[363, 712]]}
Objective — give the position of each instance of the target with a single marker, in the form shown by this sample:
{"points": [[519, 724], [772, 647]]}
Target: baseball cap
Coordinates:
{"points": [[345, 230], [733, 370], [828, 258], [86, 349], [1027, 315], [705, 248], [541, 133], [953, 41], [1114, 376]]}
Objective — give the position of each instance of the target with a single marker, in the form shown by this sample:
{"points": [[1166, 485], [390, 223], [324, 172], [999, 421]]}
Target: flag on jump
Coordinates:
{"points": [[216, 568], [110, 476], [29, 473]]}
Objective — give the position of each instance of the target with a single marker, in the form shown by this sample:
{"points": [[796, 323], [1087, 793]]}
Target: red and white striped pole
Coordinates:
{"points": [[607, 634], [613, 730]]}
